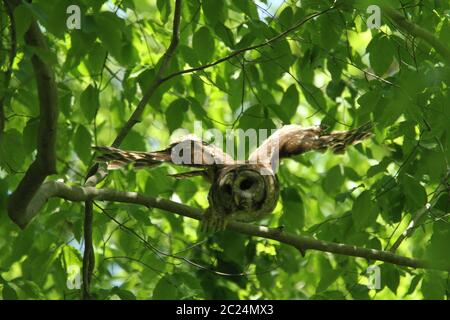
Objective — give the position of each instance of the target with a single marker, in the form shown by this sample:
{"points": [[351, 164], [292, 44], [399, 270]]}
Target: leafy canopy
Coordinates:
{"points": [[332, 70]]}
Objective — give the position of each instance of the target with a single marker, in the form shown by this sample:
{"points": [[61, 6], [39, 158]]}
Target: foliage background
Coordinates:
{"points": [[333, 70]]}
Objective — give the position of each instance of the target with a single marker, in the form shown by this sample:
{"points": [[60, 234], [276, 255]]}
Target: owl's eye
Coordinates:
{"points": [[246, 184]]}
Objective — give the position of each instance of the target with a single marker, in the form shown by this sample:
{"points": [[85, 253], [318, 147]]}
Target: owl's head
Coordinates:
{"points": [[244, 192]]}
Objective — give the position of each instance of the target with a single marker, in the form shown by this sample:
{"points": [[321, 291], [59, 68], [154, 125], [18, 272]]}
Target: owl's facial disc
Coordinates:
{"points": [[243, 193], [247, 189]]}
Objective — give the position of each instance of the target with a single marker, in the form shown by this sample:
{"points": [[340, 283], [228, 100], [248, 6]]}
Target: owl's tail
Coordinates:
{"points": [[337, 141], [117, 158]]}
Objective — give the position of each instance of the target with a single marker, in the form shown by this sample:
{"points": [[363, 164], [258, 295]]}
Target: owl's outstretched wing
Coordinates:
{"points": [[190, 151], [291, 140]]}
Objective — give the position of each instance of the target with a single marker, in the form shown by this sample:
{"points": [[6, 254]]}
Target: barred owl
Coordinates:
{"points": [[240, 190]]}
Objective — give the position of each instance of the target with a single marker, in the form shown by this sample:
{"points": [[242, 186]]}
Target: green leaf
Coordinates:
{"points": [[314, 96], [382, 52], [290, 101], [141, 216], [109, 30], [145, 78], [175, 113], [293, 210], [415, 193], [437, 250], [263, 264], [203, 44], [191, 282], [9, 293], [29, 135], [165, 289], [289, 258], [235, 93], [164, 9], [327, 278], [390, 277], [329, 35], [433, 287], [12, 153], [214, 11], [225, 34], [444, 34], [189, 55], [82, 144], [233, 246], [333, 181], [89, 102], [22, 19], [414, 282], [96, 59], [286, 17], [364, 211], [124, 294], [247, 7]]}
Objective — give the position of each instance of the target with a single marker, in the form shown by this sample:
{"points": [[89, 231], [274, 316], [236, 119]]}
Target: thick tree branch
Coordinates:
{"points": [[417, 31], [45, 162], [58, 189]]}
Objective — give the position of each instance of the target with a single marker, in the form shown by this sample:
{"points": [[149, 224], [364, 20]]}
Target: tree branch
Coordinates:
{"points": [[45, 162], [157, 80], [74, 193]]}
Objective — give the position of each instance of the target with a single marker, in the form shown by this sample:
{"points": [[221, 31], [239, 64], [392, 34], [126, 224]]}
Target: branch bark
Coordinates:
{"points": [[45, 162], [74, 193]]}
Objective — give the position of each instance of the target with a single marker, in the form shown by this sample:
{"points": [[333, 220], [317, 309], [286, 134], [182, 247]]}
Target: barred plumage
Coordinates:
{"points": [[245, 191], [118, 158], [291, 140]]}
